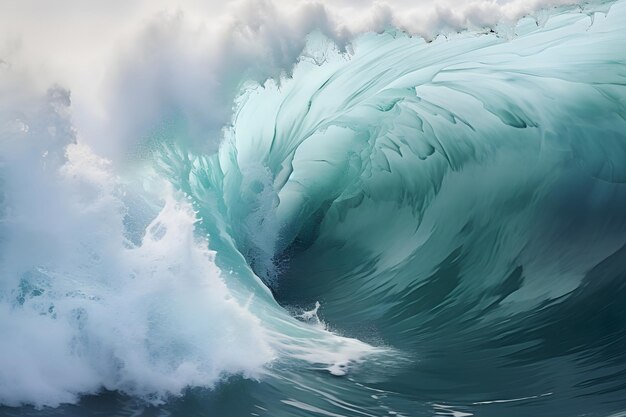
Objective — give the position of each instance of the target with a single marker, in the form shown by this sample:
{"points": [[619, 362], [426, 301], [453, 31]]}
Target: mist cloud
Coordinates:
{"points": [[139, 69]]}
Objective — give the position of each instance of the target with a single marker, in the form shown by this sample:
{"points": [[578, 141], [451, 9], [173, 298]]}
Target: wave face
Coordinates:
{"points": [[455, 210]]}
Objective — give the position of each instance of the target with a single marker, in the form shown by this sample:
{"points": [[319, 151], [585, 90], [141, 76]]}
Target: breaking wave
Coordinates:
{"points": [[441, 225]]}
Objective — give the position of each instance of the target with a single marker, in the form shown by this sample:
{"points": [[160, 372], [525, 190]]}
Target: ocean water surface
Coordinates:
{"points": [[401, 227]]}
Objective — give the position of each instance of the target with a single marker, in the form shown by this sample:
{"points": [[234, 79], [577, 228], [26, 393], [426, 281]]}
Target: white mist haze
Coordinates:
{"points": [[136, 68]]}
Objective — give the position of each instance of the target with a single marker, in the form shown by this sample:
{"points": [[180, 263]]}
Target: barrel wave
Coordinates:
{"points": [[406, 227]]}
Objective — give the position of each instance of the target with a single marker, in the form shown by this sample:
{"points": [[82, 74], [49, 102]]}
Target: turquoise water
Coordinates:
{"points": [[456, 208]]}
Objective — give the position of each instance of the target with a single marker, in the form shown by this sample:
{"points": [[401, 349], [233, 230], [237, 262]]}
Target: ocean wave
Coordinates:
{"points": [[414, 227]]}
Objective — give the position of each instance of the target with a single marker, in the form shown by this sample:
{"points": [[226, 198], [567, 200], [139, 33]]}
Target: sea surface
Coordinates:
{"points": [[404, 228]]}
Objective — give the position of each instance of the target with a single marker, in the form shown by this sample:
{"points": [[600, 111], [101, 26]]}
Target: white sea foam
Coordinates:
{"points": [[82, 307], [108, 284]]}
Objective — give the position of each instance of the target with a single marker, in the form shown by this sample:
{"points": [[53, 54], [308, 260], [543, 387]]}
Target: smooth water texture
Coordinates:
{"points": [[411, 229]]}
